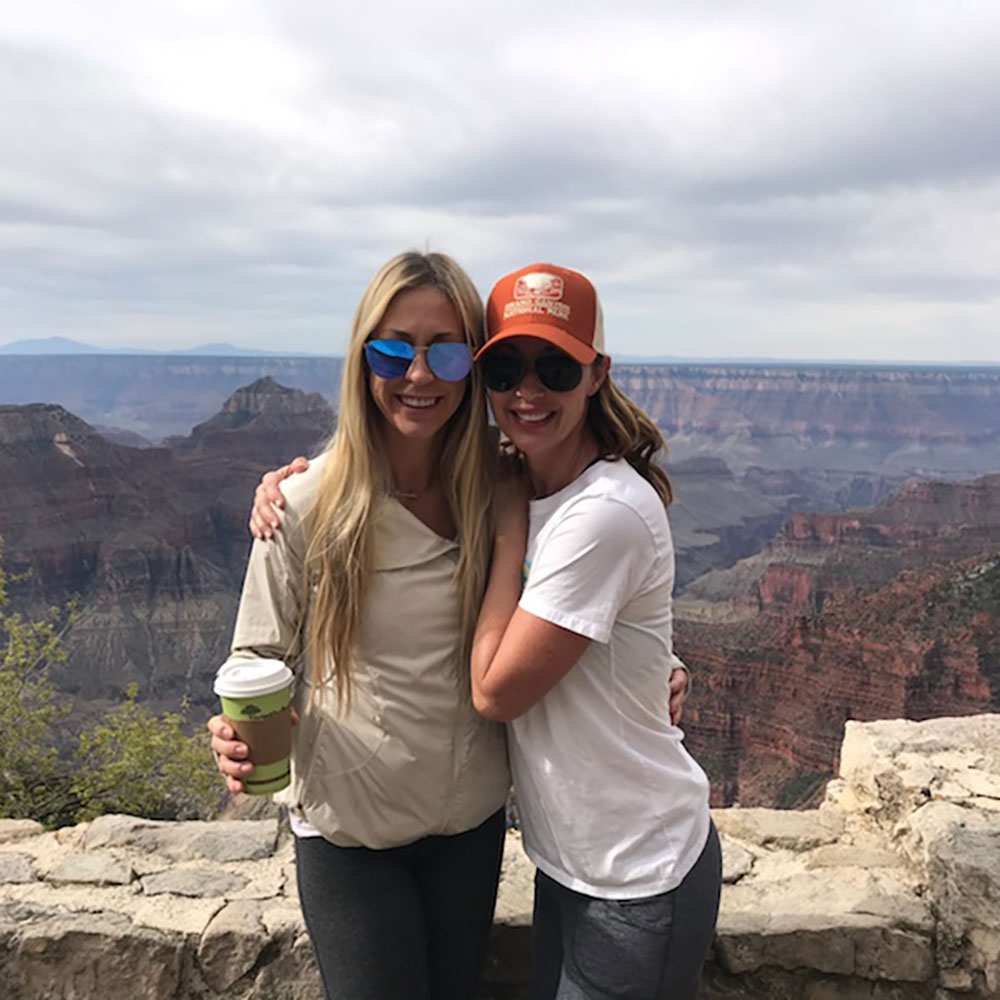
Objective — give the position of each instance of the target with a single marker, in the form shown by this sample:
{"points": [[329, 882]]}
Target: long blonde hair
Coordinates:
{"points": [[357, 478], [623, 430]]}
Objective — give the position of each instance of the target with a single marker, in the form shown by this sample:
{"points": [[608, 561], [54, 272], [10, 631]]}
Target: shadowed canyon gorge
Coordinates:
{"points": [[837, 530]]}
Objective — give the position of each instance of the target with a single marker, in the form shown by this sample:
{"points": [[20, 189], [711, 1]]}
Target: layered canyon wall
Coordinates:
{"points": [[878, 613], [153, 540], [896, 421]]}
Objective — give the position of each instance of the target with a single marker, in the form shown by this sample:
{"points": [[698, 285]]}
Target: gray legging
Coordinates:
{"points": [[405, 923], [653, 948]]}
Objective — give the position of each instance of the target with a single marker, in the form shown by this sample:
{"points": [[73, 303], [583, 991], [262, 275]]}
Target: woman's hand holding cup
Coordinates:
{"points": [[230, 753]]}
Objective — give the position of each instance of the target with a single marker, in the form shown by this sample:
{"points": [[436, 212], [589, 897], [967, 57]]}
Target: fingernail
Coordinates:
{"points": [[227, 734], [246, 768]]}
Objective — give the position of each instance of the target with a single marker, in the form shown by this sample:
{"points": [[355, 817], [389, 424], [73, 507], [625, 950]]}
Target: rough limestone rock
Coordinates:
{"points": [[959, 849], [17, 829], [852, 856], [96, 868], [796, 831], [737, 861], [889, 891], [55, 954], [222, 841], [196, 882], [292, 975], [891, 769], [232, 943], [850, 922], [17, 868]]}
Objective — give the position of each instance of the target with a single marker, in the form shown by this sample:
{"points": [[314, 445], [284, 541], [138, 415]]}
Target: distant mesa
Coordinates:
{"points": [[63, 345], [266, 397], [38, 424], [263, 408], [49, 345]]}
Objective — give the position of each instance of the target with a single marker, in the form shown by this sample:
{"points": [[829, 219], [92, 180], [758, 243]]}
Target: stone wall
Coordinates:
{"points": [[891, 890]]}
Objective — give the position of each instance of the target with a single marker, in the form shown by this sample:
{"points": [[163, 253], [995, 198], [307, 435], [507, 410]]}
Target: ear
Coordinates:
{"points": [[598, 374]]}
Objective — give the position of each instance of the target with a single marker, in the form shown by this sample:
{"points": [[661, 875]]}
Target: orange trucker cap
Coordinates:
{"points": [[553, 303]]}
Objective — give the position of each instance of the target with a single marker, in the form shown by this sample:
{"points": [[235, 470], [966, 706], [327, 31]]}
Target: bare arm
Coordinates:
{"points": [[517, 658]]}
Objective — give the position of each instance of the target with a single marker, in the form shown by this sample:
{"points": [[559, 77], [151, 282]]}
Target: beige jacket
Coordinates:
{"points": [[411, 757]]}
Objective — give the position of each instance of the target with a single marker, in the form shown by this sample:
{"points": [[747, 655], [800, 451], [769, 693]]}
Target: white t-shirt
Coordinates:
{"points": [[611, 803]]}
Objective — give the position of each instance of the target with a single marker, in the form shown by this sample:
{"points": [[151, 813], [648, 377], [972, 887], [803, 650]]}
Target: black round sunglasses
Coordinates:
{"points": [[503, 371]]}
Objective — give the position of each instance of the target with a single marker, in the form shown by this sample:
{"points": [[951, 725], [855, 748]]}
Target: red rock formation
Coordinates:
{"points": [[894, 617], [153, 540]]}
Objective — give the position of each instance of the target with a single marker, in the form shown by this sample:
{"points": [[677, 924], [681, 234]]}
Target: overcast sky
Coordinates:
{"points": [[768, 179]]}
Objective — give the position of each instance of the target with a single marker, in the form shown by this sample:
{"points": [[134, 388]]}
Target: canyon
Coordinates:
{"points": [[891, 611], [153, 541], [916, 421], [817, 580]]}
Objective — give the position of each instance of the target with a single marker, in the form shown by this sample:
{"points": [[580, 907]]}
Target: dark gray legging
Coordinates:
{"points": [[653, 948], [405, 923]]}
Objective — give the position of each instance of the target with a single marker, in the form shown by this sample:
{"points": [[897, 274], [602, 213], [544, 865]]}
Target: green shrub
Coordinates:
{"points": [[133, 761], [32, 782], [138, 763]]}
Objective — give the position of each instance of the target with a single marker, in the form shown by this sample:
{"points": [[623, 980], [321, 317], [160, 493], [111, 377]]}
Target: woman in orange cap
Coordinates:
{"points": [[573, 649]]}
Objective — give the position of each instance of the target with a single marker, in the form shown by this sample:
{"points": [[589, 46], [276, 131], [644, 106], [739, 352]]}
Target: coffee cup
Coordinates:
{"points": [[256, 703]]}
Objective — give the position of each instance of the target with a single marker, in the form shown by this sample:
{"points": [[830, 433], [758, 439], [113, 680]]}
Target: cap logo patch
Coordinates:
{"points": [[545, 286], [538, 293]]}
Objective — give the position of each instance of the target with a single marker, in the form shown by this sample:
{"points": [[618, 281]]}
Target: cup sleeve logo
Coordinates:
{"points": [[250, 710]]}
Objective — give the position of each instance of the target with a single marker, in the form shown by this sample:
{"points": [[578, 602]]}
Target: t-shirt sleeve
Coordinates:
{"points": [[588, 565]]}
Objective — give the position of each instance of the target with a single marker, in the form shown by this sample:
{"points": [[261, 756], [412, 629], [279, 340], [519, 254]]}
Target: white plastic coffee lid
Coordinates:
{"points": [[244, 677]]}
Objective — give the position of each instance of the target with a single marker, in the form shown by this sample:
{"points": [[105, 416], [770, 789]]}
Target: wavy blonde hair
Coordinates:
{"points": [[357, 478], [623, 430]]}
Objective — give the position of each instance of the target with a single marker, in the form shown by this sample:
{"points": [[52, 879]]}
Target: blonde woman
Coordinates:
{"points": [[373, 588]]}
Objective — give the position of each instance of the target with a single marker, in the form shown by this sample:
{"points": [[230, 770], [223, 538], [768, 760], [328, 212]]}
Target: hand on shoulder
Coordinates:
{"points": [[268, 499]]}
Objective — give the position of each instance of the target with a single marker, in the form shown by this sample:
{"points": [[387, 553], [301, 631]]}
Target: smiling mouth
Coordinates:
{"points": [[419, 402], [531, 419]]}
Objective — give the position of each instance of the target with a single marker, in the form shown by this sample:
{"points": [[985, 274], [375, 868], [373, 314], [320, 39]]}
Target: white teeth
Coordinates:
{"points": [[532, 418], [421, 402]]}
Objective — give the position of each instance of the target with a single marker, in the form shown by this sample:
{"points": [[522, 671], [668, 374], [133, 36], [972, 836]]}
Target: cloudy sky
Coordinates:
{"points": [[741, 179]]}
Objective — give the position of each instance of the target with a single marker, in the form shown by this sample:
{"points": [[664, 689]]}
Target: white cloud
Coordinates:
{"points": [[775, 179]]}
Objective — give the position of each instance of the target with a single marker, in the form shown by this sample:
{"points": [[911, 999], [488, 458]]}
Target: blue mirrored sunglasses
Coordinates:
{"points": [[447, 360]]}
